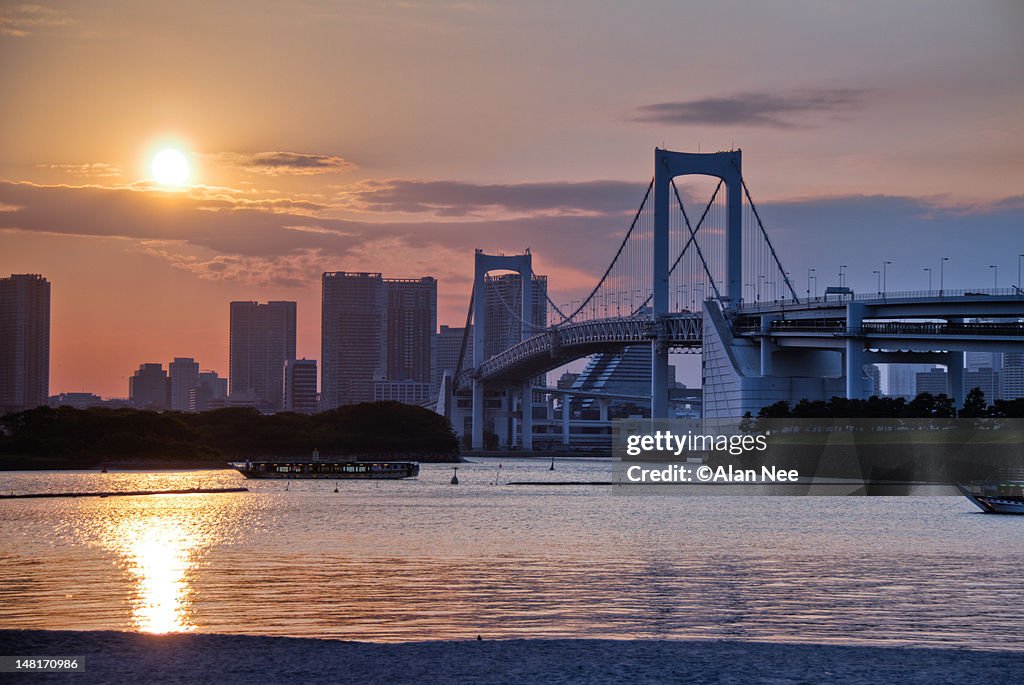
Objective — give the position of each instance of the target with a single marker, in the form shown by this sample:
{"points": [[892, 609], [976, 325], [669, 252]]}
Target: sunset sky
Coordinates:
{"points": [[399, 136]]}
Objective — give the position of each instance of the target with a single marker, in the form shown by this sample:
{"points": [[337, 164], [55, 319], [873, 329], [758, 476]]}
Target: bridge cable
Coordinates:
{"points": [[607, 271], [465, 334], [771, 247]]}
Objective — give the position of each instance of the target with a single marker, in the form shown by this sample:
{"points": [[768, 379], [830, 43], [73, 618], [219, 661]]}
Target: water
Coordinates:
{"points": [[422, 559]]}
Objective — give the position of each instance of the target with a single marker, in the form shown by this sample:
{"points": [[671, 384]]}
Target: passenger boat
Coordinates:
{"points": [[995, 497], [326, 469]]}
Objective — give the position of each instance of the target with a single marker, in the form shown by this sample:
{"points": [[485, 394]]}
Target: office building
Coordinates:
{"points": [[211, 392], [300, 386], [449, 345], [411, 329], [353, 337], [1012, 376], [262, 340], [183, 374], [934, 381], [148, 388], [985, 378], [24, 342]]}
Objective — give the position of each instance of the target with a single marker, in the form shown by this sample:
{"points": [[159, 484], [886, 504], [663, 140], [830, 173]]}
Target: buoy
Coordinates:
{"points": [[455, 476], [335, 488], [552, 464]]}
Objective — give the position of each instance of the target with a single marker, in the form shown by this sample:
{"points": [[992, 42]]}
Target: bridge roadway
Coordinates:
{"points": [[820, 323]]}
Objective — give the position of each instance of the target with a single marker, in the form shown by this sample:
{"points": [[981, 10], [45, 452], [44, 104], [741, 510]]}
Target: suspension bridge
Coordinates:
{"points": [[716, 285]]}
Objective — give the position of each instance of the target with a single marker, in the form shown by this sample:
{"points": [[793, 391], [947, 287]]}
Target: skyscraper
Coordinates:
{"points": [[411, 328], [300, 386], [353, 333], [184, 377], [148, 387], [1012, 377], [449, 344], [504, 297], [24, 342], [262, 340], [211, 391]]}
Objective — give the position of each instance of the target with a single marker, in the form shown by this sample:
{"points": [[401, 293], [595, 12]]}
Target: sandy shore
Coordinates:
{"points": [[226, 659]]}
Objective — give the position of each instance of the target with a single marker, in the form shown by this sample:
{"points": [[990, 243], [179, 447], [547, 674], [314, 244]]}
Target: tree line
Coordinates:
{"points": [[924, 406], [66, 437]]}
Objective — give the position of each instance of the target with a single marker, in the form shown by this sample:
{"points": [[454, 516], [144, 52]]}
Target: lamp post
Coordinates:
{"points": [[878, 274], [942, 273], [809, 272], [815, 279], [929, 270], [995, 276], [884, 264]]}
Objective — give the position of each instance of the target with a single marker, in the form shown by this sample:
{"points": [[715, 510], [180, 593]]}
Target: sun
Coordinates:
{"points": [[170, 167]]}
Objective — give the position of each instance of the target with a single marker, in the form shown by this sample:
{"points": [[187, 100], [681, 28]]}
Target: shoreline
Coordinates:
{"points": [[109, 656]]}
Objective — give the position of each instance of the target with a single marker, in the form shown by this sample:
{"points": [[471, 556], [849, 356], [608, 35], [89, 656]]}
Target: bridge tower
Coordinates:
{"points": [[667, 165], [523, 265]]}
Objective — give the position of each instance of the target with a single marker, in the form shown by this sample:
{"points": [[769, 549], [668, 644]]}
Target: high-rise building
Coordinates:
{"points": [[353, 337], [504, 296], [183, 373], [300, 386], [262, 340], [210, 392], [148, 388], [24, 342], [875, 374], [974, 361], [985, 378], [1012, 376], [411, 329], [899, 379], [449, 345], [932, 381]]}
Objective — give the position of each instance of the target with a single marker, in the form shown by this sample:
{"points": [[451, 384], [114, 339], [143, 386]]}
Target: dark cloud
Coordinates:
{"points": [[225, 238], [457, 198], [771, 110], [280, 163], [23, 20]]}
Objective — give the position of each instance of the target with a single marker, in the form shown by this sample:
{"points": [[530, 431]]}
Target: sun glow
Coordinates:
{"points": [[170, 167]]}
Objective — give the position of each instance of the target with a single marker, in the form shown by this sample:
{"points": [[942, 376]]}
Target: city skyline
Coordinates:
{"points": [[525, 127]]}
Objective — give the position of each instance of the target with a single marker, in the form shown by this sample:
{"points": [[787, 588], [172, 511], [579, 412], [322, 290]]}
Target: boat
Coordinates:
{"points": [[327, 469], [995, 497]]}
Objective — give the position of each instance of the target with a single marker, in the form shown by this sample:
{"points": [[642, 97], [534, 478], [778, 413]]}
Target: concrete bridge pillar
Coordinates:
{"points": [[603, 408], [478, 415], [526, 404], [551, 407], [854, 351], [566, 403], [767, 347], [955, 377]]}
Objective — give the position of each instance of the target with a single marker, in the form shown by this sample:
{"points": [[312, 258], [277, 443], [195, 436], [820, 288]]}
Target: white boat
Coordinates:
{"points": [[995, 497]]}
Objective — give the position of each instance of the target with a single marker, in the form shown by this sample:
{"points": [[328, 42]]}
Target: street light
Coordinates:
{"points": [[884, 264], [815, 279], [942, 263], [809, 272], [929, 270], [995, 276], [878, 273]]}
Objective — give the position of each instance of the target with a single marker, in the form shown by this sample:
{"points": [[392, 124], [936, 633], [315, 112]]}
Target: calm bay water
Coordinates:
{"points": [[422, 559]]}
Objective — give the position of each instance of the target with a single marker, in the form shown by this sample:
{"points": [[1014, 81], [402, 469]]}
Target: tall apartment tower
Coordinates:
{"points": [[183, 375], [148, 387], [503, 297], [300, 386], [449, 344], [353, 333], [262, 340], [24, 342], [411, 329]]}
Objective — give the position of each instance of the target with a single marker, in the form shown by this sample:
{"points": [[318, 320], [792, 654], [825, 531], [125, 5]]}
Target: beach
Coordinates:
{"points": [[112, 657]]}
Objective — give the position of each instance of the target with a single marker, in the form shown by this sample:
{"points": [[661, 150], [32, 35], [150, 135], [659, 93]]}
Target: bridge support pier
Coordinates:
{"points": [[478, 415], [767, 347], [603, 409], [526, 404], [955, 377], [854, 352], [566, 411]]}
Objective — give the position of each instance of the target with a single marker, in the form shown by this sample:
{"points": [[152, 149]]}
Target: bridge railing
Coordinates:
{"points": [[883, 297], [839, 327]]}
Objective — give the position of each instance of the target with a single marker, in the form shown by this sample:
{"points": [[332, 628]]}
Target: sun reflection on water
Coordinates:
{"points": [[159, 546]]}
